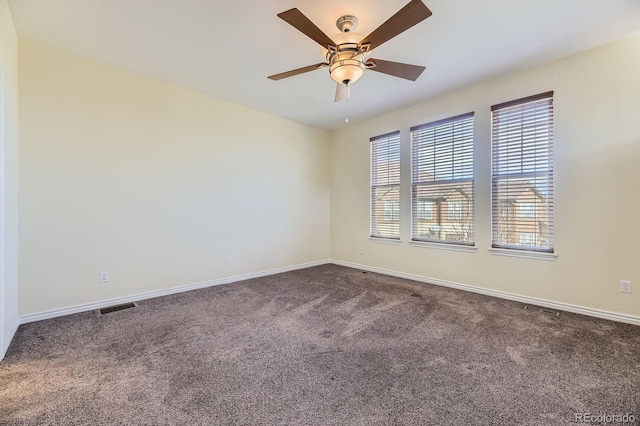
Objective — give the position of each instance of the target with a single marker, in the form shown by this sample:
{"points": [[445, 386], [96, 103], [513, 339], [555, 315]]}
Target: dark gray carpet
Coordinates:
{"points": [[322, 346]]}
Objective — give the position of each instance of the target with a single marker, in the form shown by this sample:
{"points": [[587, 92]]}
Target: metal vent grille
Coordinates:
{"points": [[542, 309], [117, 308]]}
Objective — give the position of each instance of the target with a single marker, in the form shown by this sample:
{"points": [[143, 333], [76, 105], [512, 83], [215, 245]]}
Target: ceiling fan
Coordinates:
{"points": [[348, 56]]}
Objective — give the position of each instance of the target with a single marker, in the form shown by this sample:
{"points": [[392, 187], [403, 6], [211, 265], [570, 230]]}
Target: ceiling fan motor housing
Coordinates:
{"points": [[347, 23]]}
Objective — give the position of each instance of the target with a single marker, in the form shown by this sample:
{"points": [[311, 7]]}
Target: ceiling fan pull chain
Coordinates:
{"points": [[347, 107]]}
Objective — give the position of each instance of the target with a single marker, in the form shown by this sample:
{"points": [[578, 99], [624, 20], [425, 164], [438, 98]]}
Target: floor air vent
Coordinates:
{"points": [[541, 309], [117, 308]]}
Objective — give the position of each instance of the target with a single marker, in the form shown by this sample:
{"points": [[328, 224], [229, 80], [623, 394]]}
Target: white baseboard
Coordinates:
{"points": [[613, 316], [39, 316], [8, 338]]}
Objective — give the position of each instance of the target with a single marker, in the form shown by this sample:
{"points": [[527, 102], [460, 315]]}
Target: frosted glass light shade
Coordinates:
{"points": [[346, 66]]}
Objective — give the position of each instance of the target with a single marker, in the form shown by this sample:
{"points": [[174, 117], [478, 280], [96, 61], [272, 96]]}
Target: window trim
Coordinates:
{"points": [[445, 245], [522, 253], [525, 100], [443, 121], [384, 240]]}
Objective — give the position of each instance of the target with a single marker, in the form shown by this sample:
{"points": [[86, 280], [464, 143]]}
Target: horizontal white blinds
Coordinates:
{"points": [[385, 186], [522, 181], [442, 181]]}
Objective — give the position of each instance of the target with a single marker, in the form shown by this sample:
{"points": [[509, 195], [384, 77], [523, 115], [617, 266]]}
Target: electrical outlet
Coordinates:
{"points": [[625, 286], [104, 277], [227, 259], [306, 249], [361, 250]]}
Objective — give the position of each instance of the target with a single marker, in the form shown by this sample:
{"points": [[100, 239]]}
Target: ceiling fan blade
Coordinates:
{"points": [[342, 92], [308, 28], [414, 12], [297, 71], [396, 69]]}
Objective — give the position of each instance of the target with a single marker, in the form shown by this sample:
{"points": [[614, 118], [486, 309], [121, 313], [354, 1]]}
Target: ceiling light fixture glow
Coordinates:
{"points": [[346, 68], [347, 59]]}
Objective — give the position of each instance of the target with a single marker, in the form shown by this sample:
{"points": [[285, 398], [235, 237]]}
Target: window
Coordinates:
{"points": [[528, 239], [385, 186], [425, 210], [522, 176], [454, 210], [442, 176], [527, 210], [392, 210]]}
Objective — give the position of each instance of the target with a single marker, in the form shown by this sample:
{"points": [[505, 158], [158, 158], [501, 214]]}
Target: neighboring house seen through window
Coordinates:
{"points": [[528, 239], [526, 209], [442, 179], [392, 210], [385, 186], [454, 210], [522, 176], [425, 210]]}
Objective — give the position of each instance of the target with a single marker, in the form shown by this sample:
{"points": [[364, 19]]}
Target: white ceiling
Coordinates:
{"points": [[228, 48]]}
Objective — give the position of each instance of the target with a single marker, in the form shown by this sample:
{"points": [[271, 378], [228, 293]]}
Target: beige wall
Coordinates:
{"points": [[9, 170], [597, 152], [155, 184]]}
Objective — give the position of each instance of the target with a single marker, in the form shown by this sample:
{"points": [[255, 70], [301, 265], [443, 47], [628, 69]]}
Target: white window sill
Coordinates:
{"points": [[385, 241], [444, 246], [523, 253]]}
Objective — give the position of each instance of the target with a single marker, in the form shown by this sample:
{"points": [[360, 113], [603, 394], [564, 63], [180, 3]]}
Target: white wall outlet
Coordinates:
{"points": [[625, 286], [227, 259], [361, 250], [306, 249], [104, 277]]}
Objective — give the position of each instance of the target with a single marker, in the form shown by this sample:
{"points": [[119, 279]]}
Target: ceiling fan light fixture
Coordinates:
{"points": [[346, 71], [347, 61]]}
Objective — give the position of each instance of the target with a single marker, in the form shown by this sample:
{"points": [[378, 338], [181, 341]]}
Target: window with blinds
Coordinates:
{"points": [[442, 181], [522, 177], [385, 186]]}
